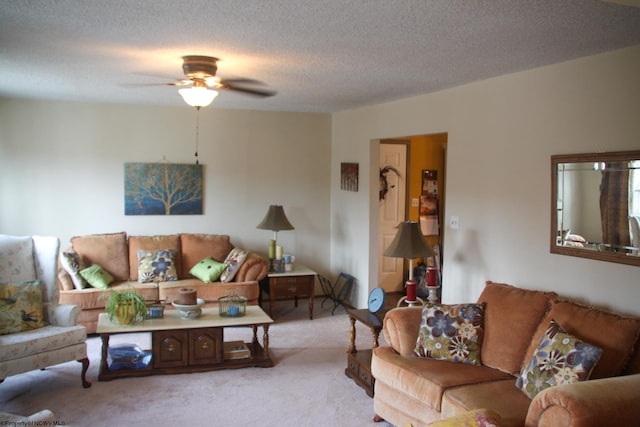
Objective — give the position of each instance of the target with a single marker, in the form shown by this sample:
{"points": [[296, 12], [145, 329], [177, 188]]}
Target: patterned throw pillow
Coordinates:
{"points": [[157, 265], [208, 270], [72, 264], [21, 307], [559, 359], [234, 261], [97, 276], [451, 332]]}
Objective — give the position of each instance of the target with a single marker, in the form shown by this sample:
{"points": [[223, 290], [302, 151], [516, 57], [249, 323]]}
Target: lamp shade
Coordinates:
{"points": [[409, 243], [275, 220], [198, 96]]}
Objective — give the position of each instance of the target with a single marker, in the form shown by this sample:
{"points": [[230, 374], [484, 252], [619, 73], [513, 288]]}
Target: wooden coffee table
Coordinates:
{"points": [[188, 345]]}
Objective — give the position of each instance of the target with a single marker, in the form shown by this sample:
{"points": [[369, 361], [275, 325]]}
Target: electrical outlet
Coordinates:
{"points": [[415, 203], [455, 222]]}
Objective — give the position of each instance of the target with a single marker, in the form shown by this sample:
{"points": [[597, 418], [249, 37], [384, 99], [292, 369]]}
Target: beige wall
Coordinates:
{"points": [[501, 134], [61, 171]]}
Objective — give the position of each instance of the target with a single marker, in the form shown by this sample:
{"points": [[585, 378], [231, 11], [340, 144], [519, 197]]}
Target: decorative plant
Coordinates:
{"points": [[125, 306]]}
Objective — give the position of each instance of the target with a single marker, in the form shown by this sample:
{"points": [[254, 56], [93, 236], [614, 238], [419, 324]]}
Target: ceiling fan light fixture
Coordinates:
{"points": [[198, 96]]}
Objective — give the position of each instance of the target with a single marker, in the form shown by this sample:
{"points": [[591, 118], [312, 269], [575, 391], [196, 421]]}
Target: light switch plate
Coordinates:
{"points": [[455, 222]]}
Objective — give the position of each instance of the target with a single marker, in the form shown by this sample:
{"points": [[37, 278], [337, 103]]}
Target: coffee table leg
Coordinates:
{"points": [[255, 334], [265, 339], [105, 347]]}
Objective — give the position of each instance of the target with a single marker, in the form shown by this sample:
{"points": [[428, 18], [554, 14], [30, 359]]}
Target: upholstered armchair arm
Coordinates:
{"points": [[603, 402], [63, 314], [400, 328], [254, 268]]}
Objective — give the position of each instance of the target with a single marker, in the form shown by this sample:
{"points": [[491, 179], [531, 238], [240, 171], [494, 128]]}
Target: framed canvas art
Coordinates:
{"points": [[162, 189]]}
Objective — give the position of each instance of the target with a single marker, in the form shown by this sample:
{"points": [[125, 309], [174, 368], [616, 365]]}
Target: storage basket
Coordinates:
{"points": [[232, 306], [155, 308]]}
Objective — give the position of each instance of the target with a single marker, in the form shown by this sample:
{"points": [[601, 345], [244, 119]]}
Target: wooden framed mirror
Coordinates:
{"points": [[595, 206]]}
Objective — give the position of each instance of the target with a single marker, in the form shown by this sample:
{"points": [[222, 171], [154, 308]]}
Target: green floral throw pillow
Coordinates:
{"points": [[451, 332], [559, 359], [157, 265]]}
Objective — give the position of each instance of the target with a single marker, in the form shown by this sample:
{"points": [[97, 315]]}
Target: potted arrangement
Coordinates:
{"points": [[125, 306]]}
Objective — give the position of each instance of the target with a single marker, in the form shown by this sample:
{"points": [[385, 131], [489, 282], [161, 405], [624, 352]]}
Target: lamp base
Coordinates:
{"points": [[418, 301], [433, 294]]}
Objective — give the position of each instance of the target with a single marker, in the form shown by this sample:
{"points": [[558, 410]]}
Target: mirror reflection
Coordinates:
{"points": [[596, 206]]}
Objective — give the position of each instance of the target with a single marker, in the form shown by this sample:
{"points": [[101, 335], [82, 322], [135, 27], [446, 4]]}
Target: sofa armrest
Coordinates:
{"points": [[63, 314], [401, 327], [608, 401], [254, 268]]}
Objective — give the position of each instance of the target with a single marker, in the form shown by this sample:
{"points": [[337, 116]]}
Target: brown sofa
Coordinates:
{"points": [[417, 391], [117, 254]]}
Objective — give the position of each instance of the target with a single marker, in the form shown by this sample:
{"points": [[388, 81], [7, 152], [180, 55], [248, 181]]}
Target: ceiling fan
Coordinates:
{"points": [[200, 85]]}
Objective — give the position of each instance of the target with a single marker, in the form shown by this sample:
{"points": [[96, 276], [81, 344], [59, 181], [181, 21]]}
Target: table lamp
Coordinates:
{"points": [[410, 244], [275, 220]]}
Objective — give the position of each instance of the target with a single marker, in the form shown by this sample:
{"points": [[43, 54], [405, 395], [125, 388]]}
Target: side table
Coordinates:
{"points": [[359, 361], [298, 283]]}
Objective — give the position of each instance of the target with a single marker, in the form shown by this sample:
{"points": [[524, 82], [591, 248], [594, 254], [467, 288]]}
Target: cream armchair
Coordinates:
{"points": [[24, 259]]}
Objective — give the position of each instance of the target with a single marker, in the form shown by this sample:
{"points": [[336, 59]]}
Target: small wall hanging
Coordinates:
{"points": [[349, 176], [162, 189]]}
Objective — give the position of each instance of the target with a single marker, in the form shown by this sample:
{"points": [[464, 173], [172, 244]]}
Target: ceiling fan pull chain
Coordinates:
{"points": [[197, 131]]}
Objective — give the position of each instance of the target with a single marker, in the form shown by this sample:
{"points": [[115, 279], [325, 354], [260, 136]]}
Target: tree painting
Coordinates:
{"points": [[162, 189]]}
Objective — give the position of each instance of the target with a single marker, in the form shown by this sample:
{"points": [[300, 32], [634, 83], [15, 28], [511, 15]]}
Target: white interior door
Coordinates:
{"points": [[392, 212]]}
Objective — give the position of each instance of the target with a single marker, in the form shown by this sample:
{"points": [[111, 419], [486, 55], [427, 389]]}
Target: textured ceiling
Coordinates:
{"points": [[319, 55]]}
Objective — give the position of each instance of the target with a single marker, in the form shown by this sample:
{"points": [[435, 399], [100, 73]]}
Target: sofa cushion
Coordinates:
{"points": [[233, 262], [451, 332], [616, 335], [426, 379], [474, 418], [500, 396], [108, 250], [208, 270], [504, 346], [136, 243], [72, 264], [157, 265], [196, 247], [47, 338], [94, 298], [210, 293], [16, 259], [96, 276], [559, 358], [21, 307]]}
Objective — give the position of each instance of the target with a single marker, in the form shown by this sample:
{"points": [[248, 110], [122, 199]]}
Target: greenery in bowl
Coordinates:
{"points": [[125, 306]]}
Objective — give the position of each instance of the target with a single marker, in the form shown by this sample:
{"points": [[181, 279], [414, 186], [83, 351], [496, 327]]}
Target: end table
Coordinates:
{"points": [[294, 284], [359, 362]]}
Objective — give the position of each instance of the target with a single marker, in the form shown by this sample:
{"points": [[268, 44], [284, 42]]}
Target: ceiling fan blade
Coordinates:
{"points": [[176, 83], [255, 92], [241, 81]]}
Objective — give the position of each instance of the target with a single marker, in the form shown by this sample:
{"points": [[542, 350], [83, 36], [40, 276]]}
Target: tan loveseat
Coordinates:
{"points": [[117, 253], [417, 391]]}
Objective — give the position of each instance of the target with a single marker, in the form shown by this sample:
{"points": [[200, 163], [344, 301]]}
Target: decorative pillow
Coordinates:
{"points": [[234, 261], [97, 276], [208, 270], [559, 359], [72, 264], [451, 332], [21, 307], [157, 265]]}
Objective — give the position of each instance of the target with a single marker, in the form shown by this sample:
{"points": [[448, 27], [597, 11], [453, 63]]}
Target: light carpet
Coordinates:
{"points": [[306, 387]]}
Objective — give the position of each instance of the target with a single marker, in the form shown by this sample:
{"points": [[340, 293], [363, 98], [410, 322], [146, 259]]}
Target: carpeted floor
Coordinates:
{"points": [[306, 387]]}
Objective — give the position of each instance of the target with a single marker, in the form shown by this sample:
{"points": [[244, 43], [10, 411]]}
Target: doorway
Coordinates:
{"points": [[406, 200]]}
